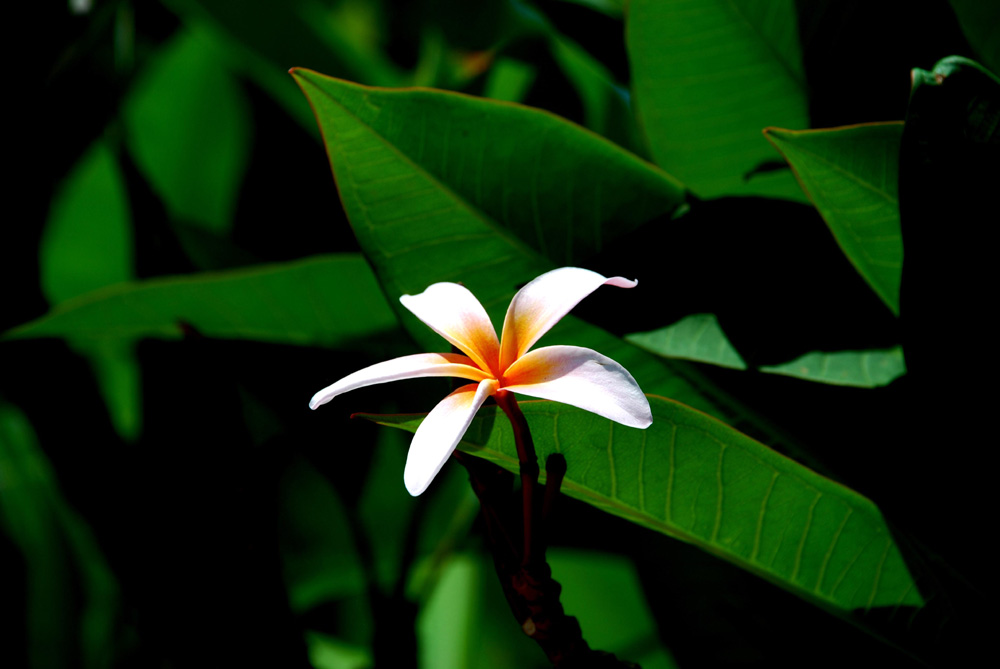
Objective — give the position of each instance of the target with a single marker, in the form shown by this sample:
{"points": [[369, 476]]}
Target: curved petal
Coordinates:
{"points": [[407, 367], [583, 378], [441, 431], [543, 302], [453, 312]]}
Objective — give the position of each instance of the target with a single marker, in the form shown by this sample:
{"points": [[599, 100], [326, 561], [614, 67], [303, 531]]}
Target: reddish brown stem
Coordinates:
{"points": [[528, 462]]}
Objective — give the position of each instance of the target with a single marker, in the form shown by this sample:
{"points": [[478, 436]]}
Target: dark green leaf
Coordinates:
{"points": [[321, 301], [87, 244], [708, 76], [63, 563], [851, 174], [190, 132], [981, 23], [696, 479]]}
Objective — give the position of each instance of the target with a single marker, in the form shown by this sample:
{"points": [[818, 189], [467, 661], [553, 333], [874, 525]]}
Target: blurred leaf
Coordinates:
{"points": [[265, 39], [605, 595], [864, 369], [698, 480], [612, 8], [87, 244], [509, 79], [327, 652], [190, 131], [699, 337], [606, 105], [696, 337], [708, 76], [851, 174], [87, 240], [320, 559], [321, 301], [444, 187], [465, 623], [63, 563], [981, 23]]}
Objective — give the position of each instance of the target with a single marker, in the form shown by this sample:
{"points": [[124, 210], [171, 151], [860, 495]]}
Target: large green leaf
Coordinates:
{"points": [[444, 187], [321, 301], [190, 132], [708, 76], [851, 175], [696, 479], [699, 337]]}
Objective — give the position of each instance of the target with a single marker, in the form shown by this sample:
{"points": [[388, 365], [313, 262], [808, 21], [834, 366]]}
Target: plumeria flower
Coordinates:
{"points": [[570, 374]]}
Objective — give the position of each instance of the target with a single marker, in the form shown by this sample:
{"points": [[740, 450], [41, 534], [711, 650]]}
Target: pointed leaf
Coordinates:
{"points": [[321, 301], [190, 132], [864, 369], [696, 479], [851, 175], [696, 337], [708, 76], [445, 187]]}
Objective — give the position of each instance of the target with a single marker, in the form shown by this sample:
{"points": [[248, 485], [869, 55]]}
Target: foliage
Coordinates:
{"points": [[806, 221]]}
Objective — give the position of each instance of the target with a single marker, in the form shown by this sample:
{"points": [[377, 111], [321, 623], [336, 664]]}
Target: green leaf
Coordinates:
{"points": [[190, 132], [86, 245], [708, 76], [62, 561], [319, 557], [698, 480], [851, 175], [604, 593], [410, 160], [444, 187], [509, 79], [87, 241], [699, 337], [864, 369], [981, 23], [321, 301], [696, 337]]}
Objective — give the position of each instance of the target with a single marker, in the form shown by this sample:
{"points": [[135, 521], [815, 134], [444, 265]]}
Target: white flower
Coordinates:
{"points": [[570, 374]]}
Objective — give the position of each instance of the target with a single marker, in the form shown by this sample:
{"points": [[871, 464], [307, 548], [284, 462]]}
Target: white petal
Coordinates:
{"points": [[583, 378], [407, 367], [440, 433], [453, 312], [543, 302]]}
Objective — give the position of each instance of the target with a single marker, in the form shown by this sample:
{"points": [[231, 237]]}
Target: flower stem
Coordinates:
{"points": [[528, 462]]}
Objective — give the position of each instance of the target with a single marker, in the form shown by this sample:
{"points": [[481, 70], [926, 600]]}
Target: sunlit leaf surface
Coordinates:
{"points": [[696, 479], [851, 175], [708, 76]]}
